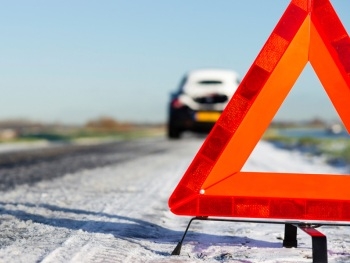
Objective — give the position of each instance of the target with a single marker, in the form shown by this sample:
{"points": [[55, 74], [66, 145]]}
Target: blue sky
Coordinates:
{"points": [[71, 61]]}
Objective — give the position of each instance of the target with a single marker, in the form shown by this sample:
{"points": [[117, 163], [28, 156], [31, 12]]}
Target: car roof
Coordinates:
{"points": [[222, 74]]}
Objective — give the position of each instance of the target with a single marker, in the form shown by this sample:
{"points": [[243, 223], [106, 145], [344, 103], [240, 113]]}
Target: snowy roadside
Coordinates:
{"points": [[119, 213], [21, 146]]}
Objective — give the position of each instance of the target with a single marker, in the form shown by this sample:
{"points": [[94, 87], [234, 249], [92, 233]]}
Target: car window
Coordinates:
{"points": [[182, 83], [210, 82]]}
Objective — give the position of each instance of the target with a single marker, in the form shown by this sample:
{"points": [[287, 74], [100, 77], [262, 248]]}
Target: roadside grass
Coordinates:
{"points": [[76, 135], [334, 150]]}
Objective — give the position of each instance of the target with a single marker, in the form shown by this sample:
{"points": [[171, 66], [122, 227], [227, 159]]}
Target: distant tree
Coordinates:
{"points": [[317, 122]]}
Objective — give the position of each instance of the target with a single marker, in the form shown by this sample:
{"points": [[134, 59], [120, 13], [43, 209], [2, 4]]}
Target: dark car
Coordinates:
{"points": [[199, 100]]}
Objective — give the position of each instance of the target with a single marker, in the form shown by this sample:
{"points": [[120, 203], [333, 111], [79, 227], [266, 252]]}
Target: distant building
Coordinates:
{"points": [[8, 134]]}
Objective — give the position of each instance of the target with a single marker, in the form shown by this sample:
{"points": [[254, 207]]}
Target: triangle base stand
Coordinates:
{"points": [[319, 240]]}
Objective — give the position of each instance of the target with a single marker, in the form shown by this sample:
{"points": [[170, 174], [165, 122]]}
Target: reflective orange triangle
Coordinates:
{"points": [[213, 185]]}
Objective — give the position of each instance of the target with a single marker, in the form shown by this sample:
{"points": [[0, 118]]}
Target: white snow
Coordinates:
{"points": [[119, 213]]}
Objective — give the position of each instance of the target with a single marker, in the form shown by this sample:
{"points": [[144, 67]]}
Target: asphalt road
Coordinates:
{"points": [[32, 166]]}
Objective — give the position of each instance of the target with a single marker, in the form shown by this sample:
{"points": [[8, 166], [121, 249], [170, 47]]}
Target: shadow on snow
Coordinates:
{"points": [[127, 228]]}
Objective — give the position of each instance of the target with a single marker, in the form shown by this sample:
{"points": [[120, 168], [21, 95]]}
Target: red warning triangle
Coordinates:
{"points": [[213, 185]]}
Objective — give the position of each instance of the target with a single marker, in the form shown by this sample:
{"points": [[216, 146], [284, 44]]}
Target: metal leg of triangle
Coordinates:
{"points": [[319, 240], [290, 236], [319, 244], [177, 249]]}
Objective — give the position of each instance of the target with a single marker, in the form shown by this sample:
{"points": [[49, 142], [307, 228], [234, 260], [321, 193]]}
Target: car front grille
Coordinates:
{"points": [[212, 99]]}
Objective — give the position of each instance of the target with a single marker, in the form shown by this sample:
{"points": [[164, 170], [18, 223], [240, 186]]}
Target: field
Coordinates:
{"points": [[335, 150]]}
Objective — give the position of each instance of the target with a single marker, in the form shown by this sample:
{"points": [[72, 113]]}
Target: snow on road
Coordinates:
{"points": [[119, 213]]}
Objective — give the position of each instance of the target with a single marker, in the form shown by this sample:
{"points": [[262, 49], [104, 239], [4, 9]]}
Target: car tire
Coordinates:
{"points": [[174, 133]]}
